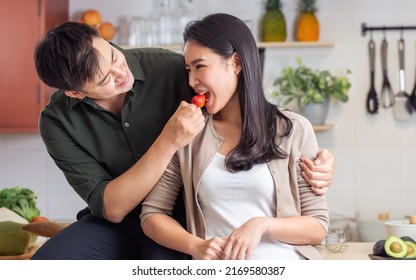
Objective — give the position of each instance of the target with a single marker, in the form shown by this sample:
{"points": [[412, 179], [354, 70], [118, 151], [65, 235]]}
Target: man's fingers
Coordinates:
{"points": [[316, 176], [320, 191], [309, 165]]}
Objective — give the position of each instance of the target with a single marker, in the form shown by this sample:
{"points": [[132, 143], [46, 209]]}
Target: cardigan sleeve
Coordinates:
{"points": [[163, 196], [306, 145]]}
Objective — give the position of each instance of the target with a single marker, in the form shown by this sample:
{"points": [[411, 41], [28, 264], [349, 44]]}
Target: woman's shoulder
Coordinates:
{"points": [[298, 121]]}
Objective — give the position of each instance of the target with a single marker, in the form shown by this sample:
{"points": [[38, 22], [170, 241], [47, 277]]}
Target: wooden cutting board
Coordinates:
{"points": [[24, 256]]}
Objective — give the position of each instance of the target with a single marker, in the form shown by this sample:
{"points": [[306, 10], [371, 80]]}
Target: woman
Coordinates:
{"points": [[245, 197]]}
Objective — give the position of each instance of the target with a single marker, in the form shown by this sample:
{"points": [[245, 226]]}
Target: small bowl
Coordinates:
{"points": [[400, 228]]}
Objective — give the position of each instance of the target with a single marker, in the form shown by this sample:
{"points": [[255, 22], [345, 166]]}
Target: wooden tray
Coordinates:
{"points": [[28, 254], [375, 257], [24, 256]]}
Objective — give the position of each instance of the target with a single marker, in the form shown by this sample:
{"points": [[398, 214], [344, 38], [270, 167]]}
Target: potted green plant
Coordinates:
{"points": [[311, 88]]}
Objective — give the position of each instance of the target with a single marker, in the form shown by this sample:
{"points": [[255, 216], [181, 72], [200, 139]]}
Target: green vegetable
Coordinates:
{"points": [[21, 201], [310, 86]]}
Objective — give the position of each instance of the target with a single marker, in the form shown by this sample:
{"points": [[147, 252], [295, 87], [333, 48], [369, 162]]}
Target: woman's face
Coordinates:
{"points": [[211, 74]]}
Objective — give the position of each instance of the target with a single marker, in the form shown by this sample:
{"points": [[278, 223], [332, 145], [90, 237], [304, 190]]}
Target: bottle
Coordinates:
{"points": [[166, 23], [187, 14]]}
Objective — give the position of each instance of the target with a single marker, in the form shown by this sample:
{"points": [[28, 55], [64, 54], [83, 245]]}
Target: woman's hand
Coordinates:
{"points": [[211, 249], [243, 240], [319, 173]]}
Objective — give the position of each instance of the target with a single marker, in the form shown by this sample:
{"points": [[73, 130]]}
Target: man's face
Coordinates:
{"points": [[114, 77]]}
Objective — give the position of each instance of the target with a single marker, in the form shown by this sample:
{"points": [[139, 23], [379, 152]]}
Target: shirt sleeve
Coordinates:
{"points": [[86, 176]]}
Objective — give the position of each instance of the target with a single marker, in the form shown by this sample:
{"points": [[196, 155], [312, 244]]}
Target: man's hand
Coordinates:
{"points": [[183, 126], [319, 173]]}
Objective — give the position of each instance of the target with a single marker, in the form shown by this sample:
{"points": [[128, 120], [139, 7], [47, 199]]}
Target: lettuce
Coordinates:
{"points": [[21, 201]]}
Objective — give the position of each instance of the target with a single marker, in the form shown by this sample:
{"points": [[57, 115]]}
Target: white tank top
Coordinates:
{"points": [[230, 199]]}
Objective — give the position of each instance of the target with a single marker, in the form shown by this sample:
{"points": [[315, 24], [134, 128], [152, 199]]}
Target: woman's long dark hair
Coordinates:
{"points": [[225, 34]]}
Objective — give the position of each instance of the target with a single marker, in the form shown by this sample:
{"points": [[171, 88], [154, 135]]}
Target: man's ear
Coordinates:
{"points": [[75, 94]]}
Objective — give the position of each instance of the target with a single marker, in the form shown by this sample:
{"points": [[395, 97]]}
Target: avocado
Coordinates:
{"points": [[407, 238], [411, 249], [378, 248], [395, 247], [14, 240]]}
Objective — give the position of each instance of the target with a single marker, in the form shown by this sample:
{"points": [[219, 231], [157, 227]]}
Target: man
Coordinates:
{"points": [[112, 128]]}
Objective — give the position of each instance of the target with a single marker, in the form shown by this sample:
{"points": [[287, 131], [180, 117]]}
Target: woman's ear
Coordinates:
{"points": [[75, 94], [236, 63]]}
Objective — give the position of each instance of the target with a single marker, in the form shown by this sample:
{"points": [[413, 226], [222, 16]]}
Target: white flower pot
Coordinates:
{"points": [[316, 113]]}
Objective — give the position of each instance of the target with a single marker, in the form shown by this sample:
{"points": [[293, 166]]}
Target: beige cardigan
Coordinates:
{"points": [[293, 193]]}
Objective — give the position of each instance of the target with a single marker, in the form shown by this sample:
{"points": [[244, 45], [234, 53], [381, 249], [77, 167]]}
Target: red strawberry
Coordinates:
{"points": [[199, 100]]}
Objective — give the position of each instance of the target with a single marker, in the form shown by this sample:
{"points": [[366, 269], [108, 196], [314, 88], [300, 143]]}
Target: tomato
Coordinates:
{"points": [[40, 219], [199, 100]]}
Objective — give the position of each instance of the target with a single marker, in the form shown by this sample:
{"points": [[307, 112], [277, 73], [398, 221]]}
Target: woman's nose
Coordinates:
{"points": [[193, 81]]}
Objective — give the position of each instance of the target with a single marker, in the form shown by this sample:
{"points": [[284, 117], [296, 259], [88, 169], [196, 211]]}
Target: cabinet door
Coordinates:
{"points": [[22, 95]]}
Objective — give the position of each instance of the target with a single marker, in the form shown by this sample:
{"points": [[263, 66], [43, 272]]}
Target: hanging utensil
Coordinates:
{"points": [[386, 94], [402, 108], [372, 101], [412, 97]]}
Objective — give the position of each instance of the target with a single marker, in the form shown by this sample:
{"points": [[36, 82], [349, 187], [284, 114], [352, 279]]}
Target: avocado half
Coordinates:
{"points": [[395, 247], [411, 249], [14, 240]]}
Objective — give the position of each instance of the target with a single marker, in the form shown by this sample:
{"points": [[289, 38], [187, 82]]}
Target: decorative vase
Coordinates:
{"points": [[316, 113]]}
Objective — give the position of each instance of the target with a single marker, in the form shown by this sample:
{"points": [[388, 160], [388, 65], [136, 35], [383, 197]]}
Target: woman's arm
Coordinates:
{"points": [[167, 232], [298, 230]]}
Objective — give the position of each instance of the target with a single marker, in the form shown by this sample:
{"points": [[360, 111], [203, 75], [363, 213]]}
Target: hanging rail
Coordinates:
{"points": [[365, 28]]}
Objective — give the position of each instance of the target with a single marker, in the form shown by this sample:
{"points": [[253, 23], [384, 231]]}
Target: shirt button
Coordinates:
{"points": [[274, 171], [279, 209], [279, 190], [126, 124]]}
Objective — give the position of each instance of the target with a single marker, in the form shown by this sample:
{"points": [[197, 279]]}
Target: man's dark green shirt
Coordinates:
{"points": [[92, 145]]}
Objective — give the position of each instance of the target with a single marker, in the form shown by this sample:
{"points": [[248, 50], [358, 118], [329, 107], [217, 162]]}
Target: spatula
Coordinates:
{"points": [[412, 97], [402, 108], [386, 94], [372, 100]]}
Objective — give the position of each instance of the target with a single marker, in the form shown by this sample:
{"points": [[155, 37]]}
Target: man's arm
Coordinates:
{"points": [[125, 192], [319, 172], [114, 197]]}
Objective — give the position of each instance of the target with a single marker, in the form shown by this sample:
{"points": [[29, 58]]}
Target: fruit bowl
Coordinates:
{"points": [[400, 228]]}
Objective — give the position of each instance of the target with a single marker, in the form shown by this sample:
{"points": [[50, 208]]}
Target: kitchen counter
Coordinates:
{"points": [[355, 251]]}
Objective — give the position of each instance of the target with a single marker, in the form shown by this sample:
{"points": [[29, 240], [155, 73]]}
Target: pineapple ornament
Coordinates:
{"points": [[274, 22], [308, 24]]}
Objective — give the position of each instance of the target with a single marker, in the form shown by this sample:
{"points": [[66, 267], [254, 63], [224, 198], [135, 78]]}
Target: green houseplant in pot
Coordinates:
{"points": [[312, 89]]}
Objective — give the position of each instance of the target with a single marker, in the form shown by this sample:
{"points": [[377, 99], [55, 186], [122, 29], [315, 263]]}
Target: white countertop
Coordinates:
{"points": [[354, 251]]}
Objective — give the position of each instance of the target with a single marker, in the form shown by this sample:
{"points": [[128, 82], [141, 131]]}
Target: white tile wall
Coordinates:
{"points": [[375, 154]]}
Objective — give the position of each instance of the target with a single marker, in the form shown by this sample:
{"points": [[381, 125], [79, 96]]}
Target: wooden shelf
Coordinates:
{"points": [[294, 44], [266, 45], [323, 127]]}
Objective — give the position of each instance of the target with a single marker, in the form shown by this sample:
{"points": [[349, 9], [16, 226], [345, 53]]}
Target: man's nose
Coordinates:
{"points": [[118, 71]]}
